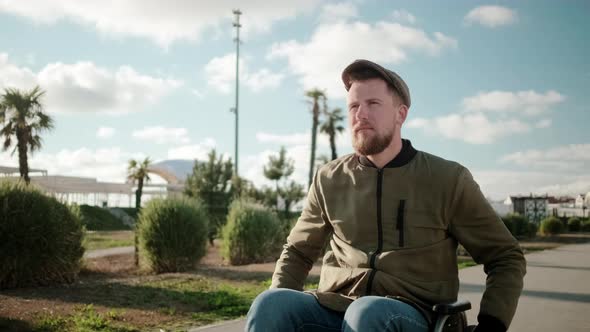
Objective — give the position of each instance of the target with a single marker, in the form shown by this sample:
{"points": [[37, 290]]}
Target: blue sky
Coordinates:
{"points": [[499, 86]]}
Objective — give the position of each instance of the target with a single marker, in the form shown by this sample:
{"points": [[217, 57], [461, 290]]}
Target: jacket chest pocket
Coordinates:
{"points": [[417, 227]]}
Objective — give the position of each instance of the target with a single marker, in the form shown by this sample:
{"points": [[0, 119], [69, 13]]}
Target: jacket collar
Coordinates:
{"points": [[406, 154]]}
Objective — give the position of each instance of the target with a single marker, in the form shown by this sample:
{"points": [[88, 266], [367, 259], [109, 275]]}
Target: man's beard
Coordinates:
{"points": [[371, 145]]}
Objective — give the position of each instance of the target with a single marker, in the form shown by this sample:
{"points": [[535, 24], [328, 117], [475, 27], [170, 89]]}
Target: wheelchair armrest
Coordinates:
{"points": [[452, 308]]}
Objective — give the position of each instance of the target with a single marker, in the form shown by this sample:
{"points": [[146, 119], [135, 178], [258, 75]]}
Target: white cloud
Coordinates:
{"points": [[84, 87], [163, 22], [162, 135], [263, 79], [491, 16], [544, 123], [198, 94], [13, 76], [294, 139], [573, 158], [561, 170], [319, 62], [403, 15], [343, 140], [298, 147], [530, 102], [471, 128], [338, 12], [500, 184], [193, 151], [105, 132], [104, 164], [221, 74], [485, 117]]}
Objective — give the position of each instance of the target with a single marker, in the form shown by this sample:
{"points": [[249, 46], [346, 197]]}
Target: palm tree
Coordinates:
{"points": [[316, 97], [331, 126], [22, 118], [138, 172]]}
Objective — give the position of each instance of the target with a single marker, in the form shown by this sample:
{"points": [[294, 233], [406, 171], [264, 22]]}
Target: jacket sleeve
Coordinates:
{"points": [[475, 224], [304, 243]]}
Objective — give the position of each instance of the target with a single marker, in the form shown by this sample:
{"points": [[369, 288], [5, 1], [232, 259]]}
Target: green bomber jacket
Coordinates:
{"points": [[394, 232]]}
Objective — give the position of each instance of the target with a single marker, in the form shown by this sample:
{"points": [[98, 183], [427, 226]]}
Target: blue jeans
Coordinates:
{"points": [[287, 310]]}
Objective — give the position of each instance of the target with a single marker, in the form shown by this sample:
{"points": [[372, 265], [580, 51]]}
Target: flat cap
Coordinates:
{"points": [[390, 77]]}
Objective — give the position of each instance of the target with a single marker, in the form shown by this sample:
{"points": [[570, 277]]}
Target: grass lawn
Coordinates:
{"points": [[168, 302], [107, 239], [113, 296]]}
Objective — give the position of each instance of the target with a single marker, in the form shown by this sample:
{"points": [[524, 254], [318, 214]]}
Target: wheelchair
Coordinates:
{"points": [[456, 309]]}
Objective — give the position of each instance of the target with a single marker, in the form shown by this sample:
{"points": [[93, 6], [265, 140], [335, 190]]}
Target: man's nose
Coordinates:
{"points": [[362, 112]]}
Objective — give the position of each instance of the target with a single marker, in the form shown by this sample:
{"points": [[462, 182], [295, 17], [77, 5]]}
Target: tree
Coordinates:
{"points": [[332, 126], [316, 97], [211, 181], [22, 118], [137, 172], [291, 193], [278, 168]]}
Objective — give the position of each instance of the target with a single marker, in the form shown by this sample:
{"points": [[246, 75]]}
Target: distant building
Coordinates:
{"points": [[566, 206], [83, 190], [580, 201], [534, 208]]}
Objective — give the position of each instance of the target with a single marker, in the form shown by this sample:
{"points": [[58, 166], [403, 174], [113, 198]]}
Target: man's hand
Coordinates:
{"points": [[489, 323]]}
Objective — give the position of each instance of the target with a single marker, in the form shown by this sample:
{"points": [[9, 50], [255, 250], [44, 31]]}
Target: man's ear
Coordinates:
{"points": [[402, 114]]}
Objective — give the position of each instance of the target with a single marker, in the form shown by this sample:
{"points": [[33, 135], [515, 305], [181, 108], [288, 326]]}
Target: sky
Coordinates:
{"points": [[498, 86]]}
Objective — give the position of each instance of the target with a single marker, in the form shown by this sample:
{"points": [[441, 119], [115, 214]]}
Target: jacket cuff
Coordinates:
{"points": [[489, 323]]}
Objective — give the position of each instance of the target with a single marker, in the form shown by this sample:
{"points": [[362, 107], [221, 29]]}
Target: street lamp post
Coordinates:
{"points": [[237, 25]]}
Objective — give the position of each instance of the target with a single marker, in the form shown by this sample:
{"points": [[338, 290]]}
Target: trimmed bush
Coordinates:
{"points": [[40, 238], [551, 226], [252, 234], [519, 226], [131, 211], [173, 233], [99, 219], [533, 229], [574, 224], [585, 226]]}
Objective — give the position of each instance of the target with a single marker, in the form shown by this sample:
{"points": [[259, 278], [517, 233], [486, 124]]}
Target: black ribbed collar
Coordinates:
{"points": [[406, 154]]}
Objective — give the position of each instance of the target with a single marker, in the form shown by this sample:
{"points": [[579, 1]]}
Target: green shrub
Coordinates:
{"points": [[173, 233], [131, 211], [532, 229], [519, 226], [508, 222], [99, 219], [40, 238], [551, 226], [252, 234], [574, 224], [585, 226]]}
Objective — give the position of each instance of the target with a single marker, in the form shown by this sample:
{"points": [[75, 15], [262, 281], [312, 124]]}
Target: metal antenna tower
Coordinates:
{"points": [[237, 25]]}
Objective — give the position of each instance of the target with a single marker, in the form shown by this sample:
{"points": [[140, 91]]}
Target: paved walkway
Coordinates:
{"points": [[108, 252], [556, 295]]}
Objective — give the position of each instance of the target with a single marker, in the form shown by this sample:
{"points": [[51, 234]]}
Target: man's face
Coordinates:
{"points": [[373, 116]]}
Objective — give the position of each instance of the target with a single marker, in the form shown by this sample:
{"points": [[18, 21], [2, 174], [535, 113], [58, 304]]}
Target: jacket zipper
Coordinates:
{"points": [[399, 226], [379, 232]]}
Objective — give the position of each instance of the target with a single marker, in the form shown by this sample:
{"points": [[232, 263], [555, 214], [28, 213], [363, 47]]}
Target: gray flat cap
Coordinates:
{"points": [[390, 77]]}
